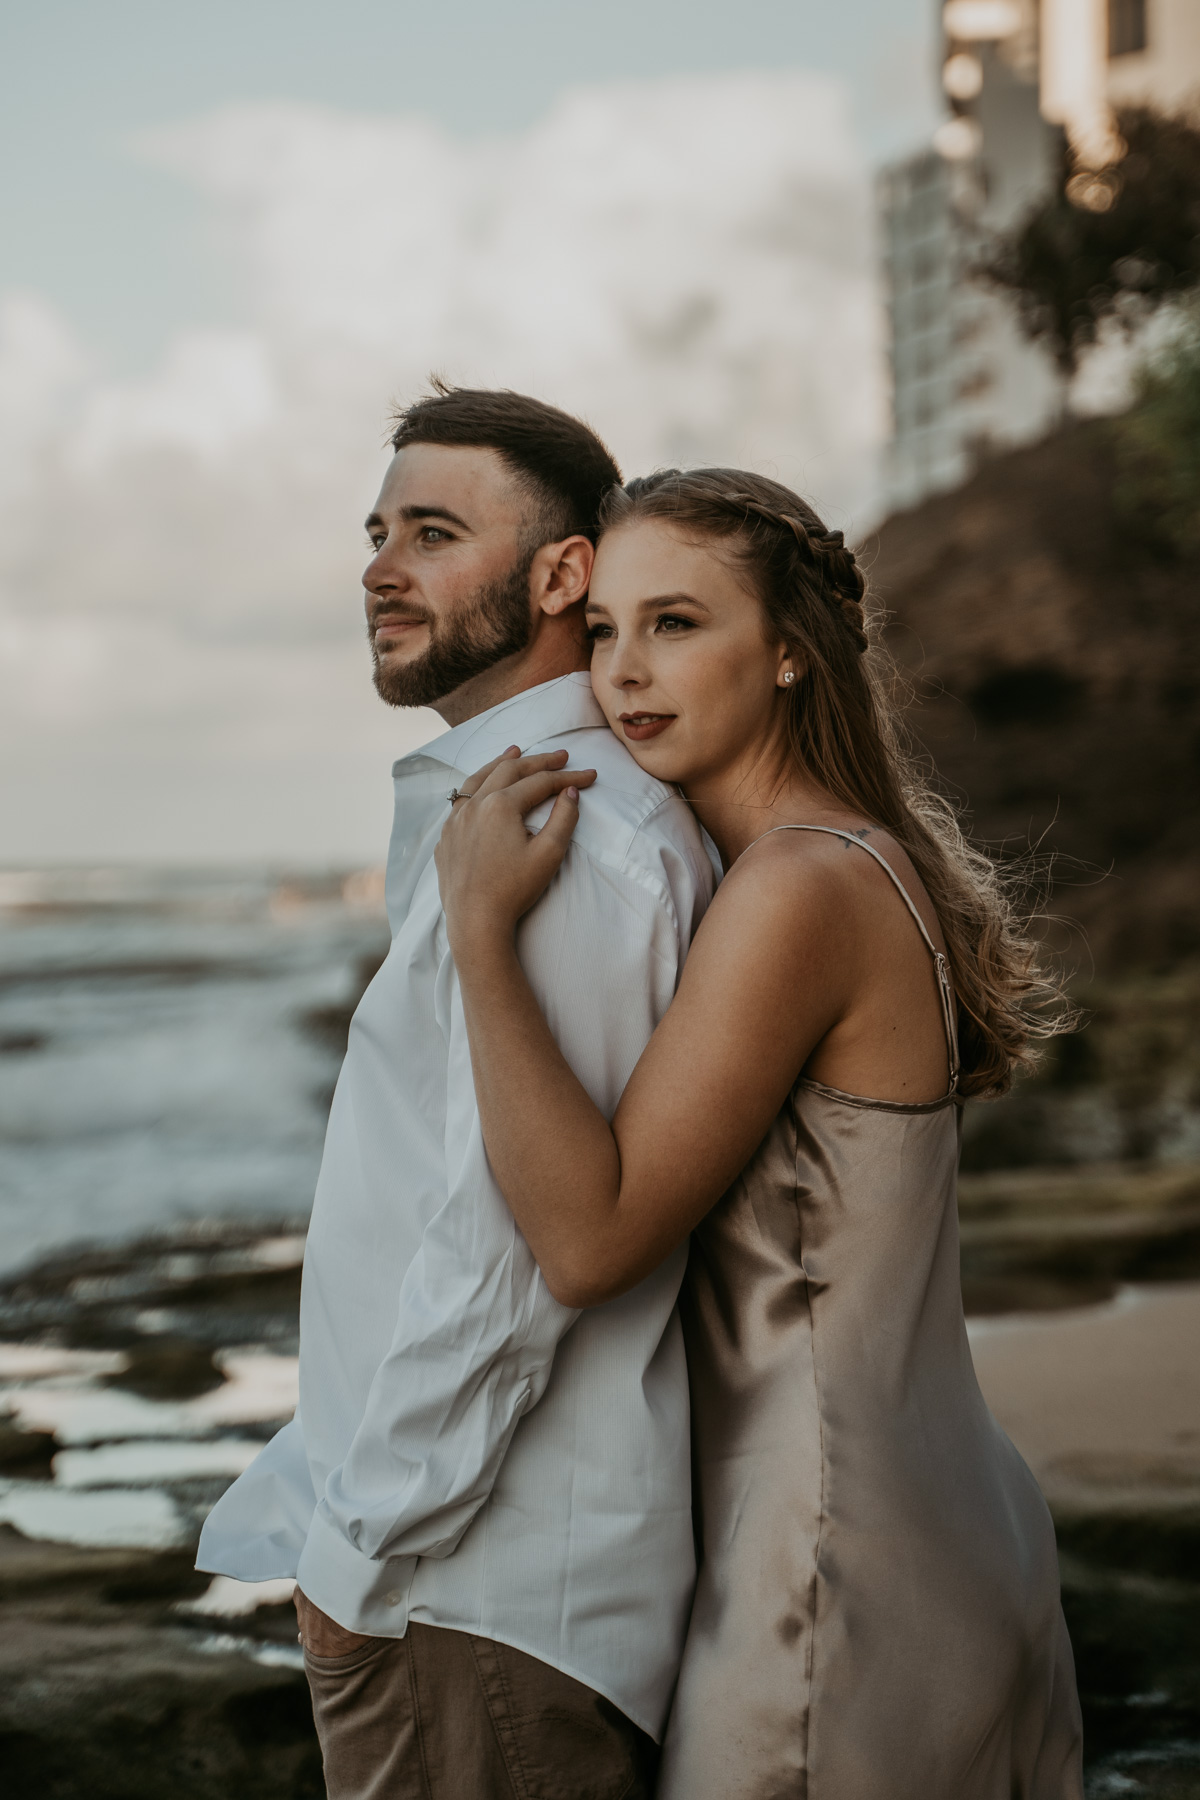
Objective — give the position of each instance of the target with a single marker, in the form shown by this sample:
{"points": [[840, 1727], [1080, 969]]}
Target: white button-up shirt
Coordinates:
{"points": [[467, 1452]]}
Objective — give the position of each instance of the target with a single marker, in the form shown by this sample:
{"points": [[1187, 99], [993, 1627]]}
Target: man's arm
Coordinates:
{"points": [[476, 1327]]}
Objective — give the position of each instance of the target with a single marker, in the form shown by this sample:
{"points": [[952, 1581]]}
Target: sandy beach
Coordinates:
{"points": [[1102, 1402]]}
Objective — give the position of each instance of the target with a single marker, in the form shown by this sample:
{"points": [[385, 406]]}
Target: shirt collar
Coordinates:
{"points": [[422, 781], [548, 711]]}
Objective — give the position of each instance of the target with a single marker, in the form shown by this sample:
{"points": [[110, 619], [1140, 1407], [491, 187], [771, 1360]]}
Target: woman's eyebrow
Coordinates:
{"points": [[654, 603], [660, 600]]}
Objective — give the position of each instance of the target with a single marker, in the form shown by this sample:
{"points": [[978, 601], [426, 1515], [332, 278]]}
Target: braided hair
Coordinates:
{"points": [[834, 568], [844, 732]]}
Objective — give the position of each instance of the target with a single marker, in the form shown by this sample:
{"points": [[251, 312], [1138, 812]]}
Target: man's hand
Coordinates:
{"points": [[322, 1635]]}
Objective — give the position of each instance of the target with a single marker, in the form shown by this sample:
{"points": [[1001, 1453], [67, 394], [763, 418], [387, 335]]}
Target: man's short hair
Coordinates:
{"points": [[559, 460]]}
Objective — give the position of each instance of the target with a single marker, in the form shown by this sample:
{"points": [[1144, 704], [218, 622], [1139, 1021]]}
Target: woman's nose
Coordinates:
{"points": [[624, 669]]}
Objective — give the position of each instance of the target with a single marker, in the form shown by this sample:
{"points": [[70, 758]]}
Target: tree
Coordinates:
{"points": [[1108, 244], [1158, 444]]}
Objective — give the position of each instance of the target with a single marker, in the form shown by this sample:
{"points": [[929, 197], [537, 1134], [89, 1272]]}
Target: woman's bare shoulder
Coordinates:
{"points": [[782, 899], [798, 892], [804, 866]]}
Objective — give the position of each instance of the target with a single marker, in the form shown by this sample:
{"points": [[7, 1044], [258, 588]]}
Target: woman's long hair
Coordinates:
{"points": [[844, 733]]}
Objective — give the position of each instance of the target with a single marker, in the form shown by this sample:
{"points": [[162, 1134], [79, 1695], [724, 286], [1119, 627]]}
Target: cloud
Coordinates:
{"points": [[685, 262]]}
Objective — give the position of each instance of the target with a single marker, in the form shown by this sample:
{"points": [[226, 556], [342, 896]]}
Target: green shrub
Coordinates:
{"points": [[1158, 445]]}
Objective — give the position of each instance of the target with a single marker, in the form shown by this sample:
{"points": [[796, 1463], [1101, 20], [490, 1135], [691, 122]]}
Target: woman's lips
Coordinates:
{"points": [[640, 726]]}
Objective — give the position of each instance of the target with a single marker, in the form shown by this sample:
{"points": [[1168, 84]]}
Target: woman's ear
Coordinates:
{"points": [[790, 669], [560, 573]]}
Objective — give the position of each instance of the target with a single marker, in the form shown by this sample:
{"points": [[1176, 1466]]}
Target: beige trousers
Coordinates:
{"points": [[442, 1715]]}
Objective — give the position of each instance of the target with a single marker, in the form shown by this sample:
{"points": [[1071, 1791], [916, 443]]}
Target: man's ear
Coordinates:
{"points": [[560, 573]]}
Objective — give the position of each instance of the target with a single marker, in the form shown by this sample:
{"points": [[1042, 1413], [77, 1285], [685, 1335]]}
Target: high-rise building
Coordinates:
{"points": [[1016, 74]]}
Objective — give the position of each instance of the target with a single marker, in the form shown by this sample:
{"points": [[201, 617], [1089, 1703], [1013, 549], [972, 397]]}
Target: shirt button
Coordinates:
{"points": [[394, 1598]]}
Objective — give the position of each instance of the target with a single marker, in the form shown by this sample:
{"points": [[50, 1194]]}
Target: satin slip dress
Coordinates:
{"points": [[877, 1614]]}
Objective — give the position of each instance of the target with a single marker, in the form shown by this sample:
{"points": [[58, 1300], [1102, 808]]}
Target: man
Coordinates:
{"points": [[484, 1496]]}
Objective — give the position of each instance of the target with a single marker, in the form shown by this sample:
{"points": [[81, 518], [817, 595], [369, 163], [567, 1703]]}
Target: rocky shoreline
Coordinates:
{"points": [[110, 1690], [116, 1680], [127, 1375]]}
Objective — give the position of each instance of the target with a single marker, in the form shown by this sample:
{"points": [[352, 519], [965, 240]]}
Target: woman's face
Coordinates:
{"points": [[681, 664]]}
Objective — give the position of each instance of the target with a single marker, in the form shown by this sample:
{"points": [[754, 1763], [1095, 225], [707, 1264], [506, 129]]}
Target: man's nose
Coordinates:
{"points": [[383, 574]]}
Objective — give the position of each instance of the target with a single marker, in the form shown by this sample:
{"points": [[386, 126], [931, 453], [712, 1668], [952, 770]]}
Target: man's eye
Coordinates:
{"points": [[433, 533], [673, 622]]}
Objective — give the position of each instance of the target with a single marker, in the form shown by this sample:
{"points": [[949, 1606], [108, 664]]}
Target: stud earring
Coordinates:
{"points": [[789, 675]]}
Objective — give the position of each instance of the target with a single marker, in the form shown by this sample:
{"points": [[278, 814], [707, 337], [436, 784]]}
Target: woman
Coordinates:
{"points": [[877, 1612]]}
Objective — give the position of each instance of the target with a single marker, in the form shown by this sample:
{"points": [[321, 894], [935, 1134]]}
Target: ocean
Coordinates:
{"points": [[169, 1040]]}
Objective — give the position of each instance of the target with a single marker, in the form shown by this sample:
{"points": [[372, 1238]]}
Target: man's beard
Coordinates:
{"points": [[496, 622]]}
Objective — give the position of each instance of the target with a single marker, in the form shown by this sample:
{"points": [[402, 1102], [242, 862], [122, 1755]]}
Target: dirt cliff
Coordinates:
{"points": [[1054, 650]]}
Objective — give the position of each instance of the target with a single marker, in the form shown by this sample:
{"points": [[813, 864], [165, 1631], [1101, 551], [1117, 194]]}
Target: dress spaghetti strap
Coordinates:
{"points": [[940, 966]]}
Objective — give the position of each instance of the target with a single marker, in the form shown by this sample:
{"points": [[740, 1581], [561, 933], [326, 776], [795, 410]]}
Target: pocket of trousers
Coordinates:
{"points": [[351, 1659]]}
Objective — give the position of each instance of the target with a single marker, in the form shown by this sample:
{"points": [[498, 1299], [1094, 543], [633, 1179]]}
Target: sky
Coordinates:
{"points": [[232, 235]]}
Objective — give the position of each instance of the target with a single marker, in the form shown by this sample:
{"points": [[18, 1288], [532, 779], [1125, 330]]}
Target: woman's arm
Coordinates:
{"points": [[601, 1205]]}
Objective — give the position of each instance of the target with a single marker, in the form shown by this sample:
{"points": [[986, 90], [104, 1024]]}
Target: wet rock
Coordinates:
{"points": [[168, 1369], [207, 1287], [1037, 1240], [123, 1713], [25, 1453], [105, 1696], [1125, 1087], [1131, 1593], [31, 1565]]}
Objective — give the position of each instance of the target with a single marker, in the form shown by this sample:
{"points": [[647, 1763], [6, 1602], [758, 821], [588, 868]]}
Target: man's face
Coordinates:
{"points": [[447, 590]]}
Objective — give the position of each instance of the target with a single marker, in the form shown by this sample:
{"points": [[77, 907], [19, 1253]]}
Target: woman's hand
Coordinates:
{"points": [[491, 870]]}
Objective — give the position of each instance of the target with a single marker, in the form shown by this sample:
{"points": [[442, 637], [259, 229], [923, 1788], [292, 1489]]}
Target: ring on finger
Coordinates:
{"points": [[456, 794]]}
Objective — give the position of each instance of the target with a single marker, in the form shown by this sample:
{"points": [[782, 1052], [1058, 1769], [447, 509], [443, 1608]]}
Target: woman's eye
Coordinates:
{"points": [[672, 622], [597, 632]]}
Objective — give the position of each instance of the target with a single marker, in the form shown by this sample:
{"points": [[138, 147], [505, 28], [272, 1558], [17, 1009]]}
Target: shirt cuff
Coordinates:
{"points": [[359, 1592]]}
